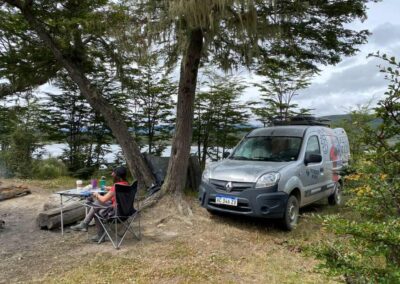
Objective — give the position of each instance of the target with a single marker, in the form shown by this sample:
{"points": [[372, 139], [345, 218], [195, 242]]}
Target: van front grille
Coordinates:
{"points": [[241, 207], [236, 186]]}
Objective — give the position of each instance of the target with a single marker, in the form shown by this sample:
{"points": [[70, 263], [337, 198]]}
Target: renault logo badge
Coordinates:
{"points": [[229, 186]]}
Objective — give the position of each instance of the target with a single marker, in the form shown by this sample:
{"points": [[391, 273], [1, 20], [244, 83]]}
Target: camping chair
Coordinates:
{"points": [[125, 214]]}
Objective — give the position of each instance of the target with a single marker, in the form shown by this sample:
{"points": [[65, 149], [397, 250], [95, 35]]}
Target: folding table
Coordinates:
{"points": [[77, 194]]}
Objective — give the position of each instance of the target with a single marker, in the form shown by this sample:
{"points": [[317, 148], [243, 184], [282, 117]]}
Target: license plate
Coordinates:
{"points": [[225, 200]]}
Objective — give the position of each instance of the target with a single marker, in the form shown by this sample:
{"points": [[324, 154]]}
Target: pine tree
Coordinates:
{"points": [[219, 116], [277, 92], [73, 120], [154, 105], [76, 36], [21, 136]]}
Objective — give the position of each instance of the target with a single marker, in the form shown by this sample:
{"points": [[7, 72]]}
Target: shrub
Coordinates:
{"points": [[84, 173], [49, 169], [367, 246]]}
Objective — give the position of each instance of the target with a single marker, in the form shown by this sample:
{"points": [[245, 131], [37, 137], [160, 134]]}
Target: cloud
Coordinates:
{"points": [[357, 78], [341, 88], [338, 103], [345, 88], [385, 35]]}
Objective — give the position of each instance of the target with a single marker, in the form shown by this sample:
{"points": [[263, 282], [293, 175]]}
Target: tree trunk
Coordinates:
{"points": [[199, 129], [194, 173], [51, 219], [13, 191], [205, 149], [135, 161], [178, 164]]}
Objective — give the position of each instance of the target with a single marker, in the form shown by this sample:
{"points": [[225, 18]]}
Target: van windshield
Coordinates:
{"points": [[268, 148]]}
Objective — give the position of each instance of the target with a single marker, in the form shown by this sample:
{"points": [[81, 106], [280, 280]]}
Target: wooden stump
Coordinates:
{"points": [[12, 191], [51, 219]]}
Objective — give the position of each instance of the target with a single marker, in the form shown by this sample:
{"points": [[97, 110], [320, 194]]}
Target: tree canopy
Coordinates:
{"points": [[92, 38]]}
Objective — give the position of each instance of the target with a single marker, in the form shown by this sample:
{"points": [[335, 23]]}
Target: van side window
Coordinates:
{"points": [[313, 145]]}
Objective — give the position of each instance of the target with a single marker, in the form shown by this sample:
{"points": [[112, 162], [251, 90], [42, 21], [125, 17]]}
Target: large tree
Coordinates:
{"points": [[231, 33], [228, 33], [38, 38]]}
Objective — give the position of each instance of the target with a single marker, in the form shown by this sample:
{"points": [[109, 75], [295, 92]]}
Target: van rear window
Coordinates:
{"points": [[268, 148]]}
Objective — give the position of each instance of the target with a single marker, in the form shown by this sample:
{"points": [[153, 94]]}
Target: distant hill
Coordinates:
{"points": [[339, 117]]}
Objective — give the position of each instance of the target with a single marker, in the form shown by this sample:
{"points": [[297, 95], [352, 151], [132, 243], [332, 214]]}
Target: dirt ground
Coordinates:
{"points": [[174, 249]]}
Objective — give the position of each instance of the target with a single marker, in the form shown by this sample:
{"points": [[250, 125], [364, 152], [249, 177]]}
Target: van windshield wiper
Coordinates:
{"points": [[269, 159], [261, 159], [240, 158]]}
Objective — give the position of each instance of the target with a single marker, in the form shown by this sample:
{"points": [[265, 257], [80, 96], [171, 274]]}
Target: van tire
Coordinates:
{"points": [[291, 214], [336, 197]]}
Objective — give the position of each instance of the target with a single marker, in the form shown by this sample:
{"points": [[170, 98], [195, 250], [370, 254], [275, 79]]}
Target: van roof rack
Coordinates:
{"points": [[303, 120]]}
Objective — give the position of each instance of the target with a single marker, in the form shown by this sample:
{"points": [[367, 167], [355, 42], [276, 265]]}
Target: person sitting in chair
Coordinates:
{"points": [[119, 177]]}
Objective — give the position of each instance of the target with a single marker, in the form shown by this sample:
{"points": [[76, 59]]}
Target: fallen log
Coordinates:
{"points": [[51, 218], [13, 191], [9, 187]]}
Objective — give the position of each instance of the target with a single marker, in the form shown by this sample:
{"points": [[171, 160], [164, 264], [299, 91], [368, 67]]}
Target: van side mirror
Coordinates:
{"points": [[312, 158], [226, 154]]}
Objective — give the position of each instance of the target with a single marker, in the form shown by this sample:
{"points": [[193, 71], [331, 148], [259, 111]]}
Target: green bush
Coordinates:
{"points": [[17, 157], [49, 169], [84, 173], [367, 244]]}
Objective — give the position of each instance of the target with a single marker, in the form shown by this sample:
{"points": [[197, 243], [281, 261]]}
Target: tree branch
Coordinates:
{"points": [[115, 121]]}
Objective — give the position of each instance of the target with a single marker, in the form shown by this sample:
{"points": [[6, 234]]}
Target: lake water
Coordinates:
{"points": [[55, 150]]}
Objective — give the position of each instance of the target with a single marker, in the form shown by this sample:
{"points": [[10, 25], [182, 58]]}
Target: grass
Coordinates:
{"points": [[102, 270], [50, 185], [224, 250], [207, 249]]}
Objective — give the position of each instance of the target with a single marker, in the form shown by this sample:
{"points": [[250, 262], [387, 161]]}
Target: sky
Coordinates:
{"points": [[356, 80]]}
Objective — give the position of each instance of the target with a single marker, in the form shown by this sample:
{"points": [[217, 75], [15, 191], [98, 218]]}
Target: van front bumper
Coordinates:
{"points": [[251, 202]]}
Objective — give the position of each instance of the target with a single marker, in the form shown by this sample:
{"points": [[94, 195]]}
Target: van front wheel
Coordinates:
{"points": [[336, 197], [291, 216]]}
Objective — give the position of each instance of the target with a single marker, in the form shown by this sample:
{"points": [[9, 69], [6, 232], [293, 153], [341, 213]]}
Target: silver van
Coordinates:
{"points": [[274, 171]]}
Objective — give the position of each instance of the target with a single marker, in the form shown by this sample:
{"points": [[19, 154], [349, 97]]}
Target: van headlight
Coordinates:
{"points": [[268, 180], [206, 175]]}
